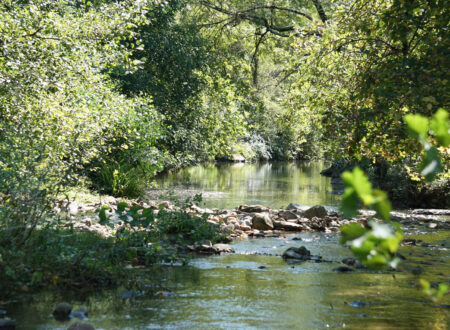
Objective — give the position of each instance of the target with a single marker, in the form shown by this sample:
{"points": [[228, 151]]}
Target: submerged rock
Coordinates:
{"points": [[7, 324], [80, 326], [343, 269], [62, 311], [262, 221], [350, 261], [294, 253], [315, 211], [79, 313]]}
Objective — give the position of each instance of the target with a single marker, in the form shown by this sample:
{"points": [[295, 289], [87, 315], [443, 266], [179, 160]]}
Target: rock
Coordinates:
{"points": [[357, 304], [62, 311], [7, 324], [165, 205], [72, 208], [253, 208], [261, 221], [163, 294], [80, 326], [79, 313], [315, 211], [337, 168], [293, 206], [417, 270], [223, 248], [288, 215], [350, 261], [409, 241], [287, 226], [431, 212], [238, 159], [295, 253], [256, 233], [245, 227], [128, 294], [318, 224], [343, 269], [262, 267]]}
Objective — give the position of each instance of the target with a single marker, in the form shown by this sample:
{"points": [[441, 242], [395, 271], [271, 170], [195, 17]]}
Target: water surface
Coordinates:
{"points": [[255, 288], [248, 291], [276, 184]]}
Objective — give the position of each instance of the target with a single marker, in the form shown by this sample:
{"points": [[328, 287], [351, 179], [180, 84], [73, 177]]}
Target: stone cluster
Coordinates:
{"points": [[260, 221]]}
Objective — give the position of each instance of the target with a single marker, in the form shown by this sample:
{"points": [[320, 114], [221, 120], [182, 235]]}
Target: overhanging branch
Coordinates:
{"points": [[248, 14]]}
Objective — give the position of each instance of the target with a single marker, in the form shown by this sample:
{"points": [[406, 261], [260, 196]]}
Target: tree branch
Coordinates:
{"points": [[247, 15], [320, 10]]}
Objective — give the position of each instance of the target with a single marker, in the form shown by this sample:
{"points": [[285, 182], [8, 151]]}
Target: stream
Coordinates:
{"points": [[254, 288]]}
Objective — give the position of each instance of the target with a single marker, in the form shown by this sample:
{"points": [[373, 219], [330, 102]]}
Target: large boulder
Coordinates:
{"points": [[262, 221], [287, 215], [315, 211], [62, 311], [297, 254]]}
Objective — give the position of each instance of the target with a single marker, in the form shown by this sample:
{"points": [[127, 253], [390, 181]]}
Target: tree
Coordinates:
{"points": [[376, 61]]}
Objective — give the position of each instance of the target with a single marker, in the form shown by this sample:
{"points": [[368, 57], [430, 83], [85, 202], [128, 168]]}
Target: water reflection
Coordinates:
{"points": [[273, 184]]}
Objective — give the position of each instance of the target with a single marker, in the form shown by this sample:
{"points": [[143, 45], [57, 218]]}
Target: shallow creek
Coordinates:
{"points": [[255, 289]]}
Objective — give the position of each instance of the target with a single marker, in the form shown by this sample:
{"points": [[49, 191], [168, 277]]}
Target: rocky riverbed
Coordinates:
{"points": [[251, 221]]}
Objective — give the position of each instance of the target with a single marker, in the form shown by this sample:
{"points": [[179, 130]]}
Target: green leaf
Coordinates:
{"points": [[148, 213], [359, 182], [102, 214], [381, 231], [382, 205], [122, 206], [440, 128], [417, 125], [352, 231], [349, 206], [431, 164], [135, 208], [376, 261]]}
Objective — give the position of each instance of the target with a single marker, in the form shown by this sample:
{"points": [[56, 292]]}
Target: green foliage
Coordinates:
{"points": [[419, 127], [435, 294], [178, 226], [58, 111], [375, 62], [375, 247], [358, 187]]}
